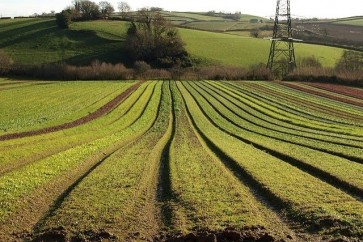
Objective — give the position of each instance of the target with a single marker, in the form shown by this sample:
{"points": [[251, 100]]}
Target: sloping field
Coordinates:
{"points": [[184, 161], [356, 21], [241, 51]]}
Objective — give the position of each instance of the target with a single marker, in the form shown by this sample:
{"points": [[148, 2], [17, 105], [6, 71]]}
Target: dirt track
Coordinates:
{"points": [[96, 114]]}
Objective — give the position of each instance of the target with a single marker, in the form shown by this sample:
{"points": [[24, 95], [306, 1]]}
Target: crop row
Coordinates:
{"points": [[180, 157], [323, 93], [347, 91], [302, 195], [304, 106], [285, 148], [40, 106], [248, 112], [76, 151], [295, 119]]}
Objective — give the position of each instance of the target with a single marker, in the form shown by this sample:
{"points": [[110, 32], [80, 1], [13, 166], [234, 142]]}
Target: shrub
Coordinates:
{"points": [[63, 19], [141, 68], [311, 61], [152, 39]]}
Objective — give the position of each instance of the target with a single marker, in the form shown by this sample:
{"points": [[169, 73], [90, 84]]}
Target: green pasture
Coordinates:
{"points": [[351, 21], [241, 51]]}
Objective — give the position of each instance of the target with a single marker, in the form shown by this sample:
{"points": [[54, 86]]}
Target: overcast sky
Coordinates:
{"points": [[265, 8]]}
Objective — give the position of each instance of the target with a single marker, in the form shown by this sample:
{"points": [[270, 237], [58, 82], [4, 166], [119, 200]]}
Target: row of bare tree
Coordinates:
{"points": [[89, 10]]}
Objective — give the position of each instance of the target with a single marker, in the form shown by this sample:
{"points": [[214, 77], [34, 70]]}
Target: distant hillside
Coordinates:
{"points": [[357, 21], [346, 32], [39, 41]]}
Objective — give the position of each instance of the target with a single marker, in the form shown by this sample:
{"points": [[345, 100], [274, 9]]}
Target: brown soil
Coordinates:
{"points": [[60, 235], [322, 94], [228, 235], [96, 114], [344, 90]]}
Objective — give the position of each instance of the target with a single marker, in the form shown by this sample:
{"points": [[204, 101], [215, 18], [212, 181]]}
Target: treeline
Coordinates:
{"points": [[233, 16], [83, 10]]}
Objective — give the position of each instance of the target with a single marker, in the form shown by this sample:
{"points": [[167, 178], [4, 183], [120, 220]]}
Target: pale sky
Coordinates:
{"points": [[264, 8]]}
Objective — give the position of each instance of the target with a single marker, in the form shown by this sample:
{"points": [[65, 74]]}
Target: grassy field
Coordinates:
{"points": [[219, 160], [23, 39], [356, 21], [240, 51]]}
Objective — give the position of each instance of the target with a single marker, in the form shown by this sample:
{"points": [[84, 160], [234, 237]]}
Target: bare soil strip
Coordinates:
{"points": [[347, 91], [322, 94], [164, 191], [96, 114]]}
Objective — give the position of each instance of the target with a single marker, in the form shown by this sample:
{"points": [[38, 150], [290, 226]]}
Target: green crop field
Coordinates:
{"points": [[169, 160], [24, 39]]}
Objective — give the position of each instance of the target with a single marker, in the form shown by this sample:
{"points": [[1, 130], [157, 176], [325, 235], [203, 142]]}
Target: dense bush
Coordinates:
{"points": [[152, 39], [63, 19]]}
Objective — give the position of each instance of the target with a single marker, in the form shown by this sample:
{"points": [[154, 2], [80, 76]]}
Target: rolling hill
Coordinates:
{"points": [[39, 41]]}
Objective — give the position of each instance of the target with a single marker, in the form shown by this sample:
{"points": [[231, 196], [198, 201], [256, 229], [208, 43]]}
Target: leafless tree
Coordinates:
{"points": [[124, 9], [106, 9]]}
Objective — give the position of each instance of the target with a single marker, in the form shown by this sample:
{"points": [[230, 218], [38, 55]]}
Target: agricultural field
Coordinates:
{"points": [[180, 161]]}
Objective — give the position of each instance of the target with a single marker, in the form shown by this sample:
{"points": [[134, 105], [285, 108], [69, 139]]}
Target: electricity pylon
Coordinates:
{"points": [[282, 55]]}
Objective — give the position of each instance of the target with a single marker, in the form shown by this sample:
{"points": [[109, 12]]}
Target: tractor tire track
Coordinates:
{"points": [[164, 191]]}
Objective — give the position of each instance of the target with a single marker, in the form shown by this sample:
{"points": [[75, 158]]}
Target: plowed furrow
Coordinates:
{"points": [[322, 94]]}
